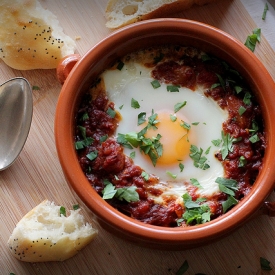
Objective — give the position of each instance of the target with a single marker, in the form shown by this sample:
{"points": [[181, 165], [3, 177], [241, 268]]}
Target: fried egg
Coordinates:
{"points": [[197, 123]]}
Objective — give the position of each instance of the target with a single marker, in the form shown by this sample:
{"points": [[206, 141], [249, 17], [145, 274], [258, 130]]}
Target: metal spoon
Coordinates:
{"points": [[16, 107]]}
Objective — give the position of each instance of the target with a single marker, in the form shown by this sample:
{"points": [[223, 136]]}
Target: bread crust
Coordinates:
{"points": [[116, 18], [44, 235], [31, 37]]}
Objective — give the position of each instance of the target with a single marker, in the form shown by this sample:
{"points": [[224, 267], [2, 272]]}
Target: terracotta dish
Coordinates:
{"points": [[146, 34]]}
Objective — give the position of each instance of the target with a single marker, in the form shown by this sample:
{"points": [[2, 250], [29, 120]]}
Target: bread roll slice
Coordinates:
{"points": [[44, 234], [123, 12], [31, 37]]}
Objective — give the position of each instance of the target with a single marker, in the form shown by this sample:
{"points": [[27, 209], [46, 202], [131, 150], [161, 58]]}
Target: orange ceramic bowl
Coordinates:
{"points": [[146, 34]]}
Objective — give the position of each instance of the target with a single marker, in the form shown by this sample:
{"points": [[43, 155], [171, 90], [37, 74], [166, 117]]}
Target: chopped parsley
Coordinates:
{"points": [[111, 112], [265, 264], [195, 211], [179, 105], [173, 88], [265, 11], [184, 267], [195, 182], [92, 155], [128, 193], [155, 83], [62, 211], [227, 144], [252, 39], [141, 118], [135, 104], [181, 166], [170, 174], [85, 142], [76, 206], [196, 155]]}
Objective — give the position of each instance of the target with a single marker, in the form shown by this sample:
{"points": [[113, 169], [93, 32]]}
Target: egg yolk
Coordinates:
{"points": [[175, 138]]}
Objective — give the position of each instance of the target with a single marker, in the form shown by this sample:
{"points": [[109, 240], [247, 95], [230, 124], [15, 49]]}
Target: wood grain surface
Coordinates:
{"points": [[37, 174]]}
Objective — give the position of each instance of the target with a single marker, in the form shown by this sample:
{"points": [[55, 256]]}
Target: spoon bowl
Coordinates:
{"points": [[15, 118]]}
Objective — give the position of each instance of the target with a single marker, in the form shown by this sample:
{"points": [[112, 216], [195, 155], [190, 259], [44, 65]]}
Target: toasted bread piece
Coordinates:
{"points": [[124, 12], [44, 234], [31, 37]]}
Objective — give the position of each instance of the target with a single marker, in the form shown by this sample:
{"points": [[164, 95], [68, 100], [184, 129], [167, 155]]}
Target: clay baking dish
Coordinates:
{"points": [[131, 38]]}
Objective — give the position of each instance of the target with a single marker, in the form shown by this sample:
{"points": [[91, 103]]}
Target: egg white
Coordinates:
{"points": [[134, 81]]}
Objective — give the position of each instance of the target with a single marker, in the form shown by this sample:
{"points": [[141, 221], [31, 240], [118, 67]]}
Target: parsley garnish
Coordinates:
{"points": [[111, 112], [128, 194], [252, 39], [195, 211], [254, 138], [265, 11], [195, 182], [135, 104], [155, 83], [80, 144], [227, 186], [174, 176], [181, 166], [76, 206], [227, 145], [145, 175], [141, 118], [265, 264], [173, 88], [198, 158], [179, 105], [62, 211], [184, 267], [92, 155]]}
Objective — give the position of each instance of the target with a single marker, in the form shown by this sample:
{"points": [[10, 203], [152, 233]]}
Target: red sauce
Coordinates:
{"points": [[113, 165]]}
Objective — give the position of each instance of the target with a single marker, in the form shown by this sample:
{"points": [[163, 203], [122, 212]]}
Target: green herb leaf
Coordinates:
{"points": [[265, 264], [252, 39], [35, 88], [185, 125], [103, 138], [92, 155], [123, 141], [265, 11], [247, 98], [109, 191], [242, 110], [229, 203], [184, 267], [216, 142], [170, 174], [76, 206], [128, 194], [181, 166], [242, 161], [254, 138], [227, 186], [145, 175], [238, 89], [83, 143], [62, 211], [198, 158], [221, 80], [111, 112], [141, 118], [121, 106], [173, 88], [196, 183], [173, 118], [155, 83], [227, 145], [132, 155], [134, 104], [179, 105]]}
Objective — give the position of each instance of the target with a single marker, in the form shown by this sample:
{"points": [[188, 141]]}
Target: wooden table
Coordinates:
{"points": [[37, 174]]}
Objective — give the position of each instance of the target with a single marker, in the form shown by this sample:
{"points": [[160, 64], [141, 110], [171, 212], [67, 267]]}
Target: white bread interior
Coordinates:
{"points": [[44, 234], [31, 37], [124, 12]]}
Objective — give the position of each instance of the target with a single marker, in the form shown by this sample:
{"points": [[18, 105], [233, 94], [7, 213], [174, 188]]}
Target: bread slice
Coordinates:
{"points": [[44, 234], [123, 12], [31, 37]]}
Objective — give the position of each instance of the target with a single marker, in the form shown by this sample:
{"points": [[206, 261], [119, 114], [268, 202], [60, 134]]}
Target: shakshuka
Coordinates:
{"points": [[170, 136]]}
